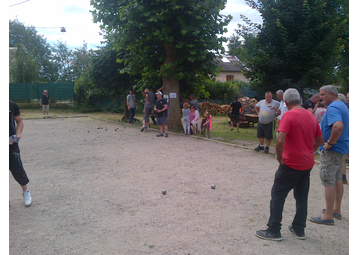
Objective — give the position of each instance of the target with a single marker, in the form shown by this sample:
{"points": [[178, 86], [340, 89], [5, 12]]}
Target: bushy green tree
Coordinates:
{"points": [[166, 41], [299, 43], [63, 60], [23, 68], [32, 44], [226, 90]]}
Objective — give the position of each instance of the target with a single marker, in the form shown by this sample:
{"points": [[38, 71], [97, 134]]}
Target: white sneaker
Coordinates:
{"points": [[27, 198]]}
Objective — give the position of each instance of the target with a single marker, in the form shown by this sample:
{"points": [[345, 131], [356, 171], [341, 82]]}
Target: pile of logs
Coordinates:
{"points": [[248, 107]]}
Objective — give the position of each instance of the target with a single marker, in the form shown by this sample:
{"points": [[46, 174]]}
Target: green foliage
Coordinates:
{"points": [[299, 44], [63, 59], [146, 29], [105, 72], [29, 42], [23, 67], [226, 90], [101, 78]]}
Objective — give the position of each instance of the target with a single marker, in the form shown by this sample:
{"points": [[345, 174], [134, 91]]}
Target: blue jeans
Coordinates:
{"points": [[286, 179], [131, 115]]}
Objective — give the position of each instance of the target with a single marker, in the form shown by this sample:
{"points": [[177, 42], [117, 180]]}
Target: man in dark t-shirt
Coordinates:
{"points": [[161, 107], [45, 103], [312, 103], [15, 165], [235, 113]]}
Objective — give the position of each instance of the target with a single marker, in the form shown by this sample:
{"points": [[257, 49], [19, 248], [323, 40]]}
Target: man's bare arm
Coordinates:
{"points": [[280, 144], [19, 126]]}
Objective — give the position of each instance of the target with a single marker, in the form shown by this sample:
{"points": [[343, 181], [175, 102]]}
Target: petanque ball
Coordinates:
{"points": [[213, 186], [164, 191]]}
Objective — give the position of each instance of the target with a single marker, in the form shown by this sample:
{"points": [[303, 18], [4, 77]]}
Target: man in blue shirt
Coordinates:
{"points": [[335, 129]]}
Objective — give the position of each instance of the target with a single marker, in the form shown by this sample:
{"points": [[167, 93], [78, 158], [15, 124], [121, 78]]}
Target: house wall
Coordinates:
{"points": [[237, 76]]}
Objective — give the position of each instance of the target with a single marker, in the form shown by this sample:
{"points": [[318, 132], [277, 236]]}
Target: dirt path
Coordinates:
{"points": [[100, 192]]}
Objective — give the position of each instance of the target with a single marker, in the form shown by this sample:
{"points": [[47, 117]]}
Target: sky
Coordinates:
{"points": [[77, 20]]}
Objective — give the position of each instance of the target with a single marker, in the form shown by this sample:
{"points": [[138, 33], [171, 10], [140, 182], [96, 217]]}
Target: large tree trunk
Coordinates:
{"points": [[171, 88]]}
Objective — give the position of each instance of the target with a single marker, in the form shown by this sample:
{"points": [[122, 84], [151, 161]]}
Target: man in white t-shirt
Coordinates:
{"points": [[131, 105], [268, 110], [282, 107]]}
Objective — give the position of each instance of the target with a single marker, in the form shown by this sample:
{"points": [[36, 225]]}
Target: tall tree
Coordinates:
{"points": [[62, 58], [28, 41], [166, 41], [298, 45], [81, 60], [23, 68]]}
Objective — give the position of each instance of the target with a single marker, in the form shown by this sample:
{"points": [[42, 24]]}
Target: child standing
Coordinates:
{"points": [[186, 121], [206, 123]]}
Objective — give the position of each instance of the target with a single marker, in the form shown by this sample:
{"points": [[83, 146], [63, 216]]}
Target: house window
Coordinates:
{"points": [[229, 77]]}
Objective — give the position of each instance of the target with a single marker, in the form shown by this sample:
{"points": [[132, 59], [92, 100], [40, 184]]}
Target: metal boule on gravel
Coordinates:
{"points": [[213, 186], [164, 191]]}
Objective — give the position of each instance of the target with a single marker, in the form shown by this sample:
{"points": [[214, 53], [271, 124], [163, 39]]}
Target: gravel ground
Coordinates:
{"points": [[100, 192]]}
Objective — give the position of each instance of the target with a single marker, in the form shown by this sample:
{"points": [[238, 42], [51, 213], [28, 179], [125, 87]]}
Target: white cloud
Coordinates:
{"points": [[73, 15], [235, 8]]}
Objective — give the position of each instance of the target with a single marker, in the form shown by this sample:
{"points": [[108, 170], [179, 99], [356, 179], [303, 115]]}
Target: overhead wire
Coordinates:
{"points": [[18, 3]]}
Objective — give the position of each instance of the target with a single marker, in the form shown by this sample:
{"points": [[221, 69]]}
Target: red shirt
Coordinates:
{"points": [[301, 128]]}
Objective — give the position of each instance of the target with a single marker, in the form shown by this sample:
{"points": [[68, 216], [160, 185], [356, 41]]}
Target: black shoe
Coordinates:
{"points": [[266, 149], [259, 148], [265, 234], [142, 129], [300, 235], [159, 135], [166, 134]]}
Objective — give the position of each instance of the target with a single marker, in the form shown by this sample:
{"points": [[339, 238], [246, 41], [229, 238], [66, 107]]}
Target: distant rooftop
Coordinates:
{"points": [[229, 63]]}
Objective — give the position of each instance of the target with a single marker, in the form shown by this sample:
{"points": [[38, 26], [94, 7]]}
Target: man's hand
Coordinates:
{"points": [[326, 146], [280, 160]]}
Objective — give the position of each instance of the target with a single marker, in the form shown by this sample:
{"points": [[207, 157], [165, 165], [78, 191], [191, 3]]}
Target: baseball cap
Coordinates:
{"points": [[159, 93]]}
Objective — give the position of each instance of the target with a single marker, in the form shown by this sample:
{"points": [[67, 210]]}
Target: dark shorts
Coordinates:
{"points": [[235, 118], [15, 165], [162, 120], [264, 131]]}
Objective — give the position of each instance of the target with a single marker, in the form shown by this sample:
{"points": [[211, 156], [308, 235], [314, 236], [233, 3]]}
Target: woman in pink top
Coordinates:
{"points": [[320, 112], [194, 118]]}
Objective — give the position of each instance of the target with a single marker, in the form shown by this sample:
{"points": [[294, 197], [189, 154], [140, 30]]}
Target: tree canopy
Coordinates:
{"points": [[301, 44], [29, 43], [165, 41]]}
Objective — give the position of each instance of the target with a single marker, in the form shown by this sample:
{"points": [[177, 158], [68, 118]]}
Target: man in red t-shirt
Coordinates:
{"points": [[299, 135]]}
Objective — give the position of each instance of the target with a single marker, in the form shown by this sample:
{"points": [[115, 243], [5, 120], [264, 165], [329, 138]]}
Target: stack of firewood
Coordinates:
{"points": [[248, 107], [215, 109]]}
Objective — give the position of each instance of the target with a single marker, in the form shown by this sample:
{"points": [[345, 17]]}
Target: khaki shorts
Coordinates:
{"points": [[45, 108], [330, 168]]}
